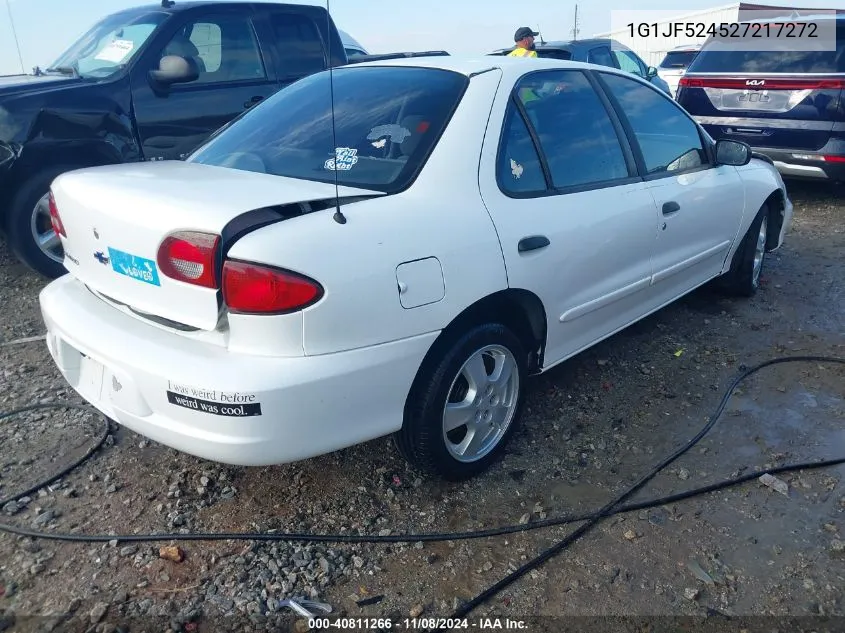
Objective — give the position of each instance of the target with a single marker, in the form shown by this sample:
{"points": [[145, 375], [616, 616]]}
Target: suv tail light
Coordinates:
{"points": [[255, 289], [190, 257], [55, 220], [763, 84]]}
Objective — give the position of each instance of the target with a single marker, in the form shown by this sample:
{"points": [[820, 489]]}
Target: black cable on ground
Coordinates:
{"points": [[592, 519], [607, 510]]}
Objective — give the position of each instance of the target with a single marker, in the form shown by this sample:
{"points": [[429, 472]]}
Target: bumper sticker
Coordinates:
{"points": [[229, 404], [133, 266]]}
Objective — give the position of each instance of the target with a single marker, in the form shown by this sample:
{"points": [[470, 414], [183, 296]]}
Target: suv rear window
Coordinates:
{"points": [[769, 61], [678, 59], [386, 122]]}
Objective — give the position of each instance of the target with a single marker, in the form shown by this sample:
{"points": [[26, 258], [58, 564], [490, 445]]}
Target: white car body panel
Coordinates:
{"points": [[396, 274], [125, 207]]}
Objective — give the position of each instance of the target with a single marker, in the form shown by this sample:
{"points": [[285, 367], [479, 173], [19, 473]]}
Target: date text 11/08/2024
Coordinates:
{"points": [[787, 30], [417, 624]]}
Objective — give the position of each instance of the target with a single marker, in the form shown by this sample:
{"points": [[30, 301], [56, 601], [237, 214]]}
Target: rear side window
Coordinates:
{"points": [[554, 54], [601, 56], [677, 59], [299, 44], [386, 123], [713, 58], [575, 132], [519, 169], [669, 140]]}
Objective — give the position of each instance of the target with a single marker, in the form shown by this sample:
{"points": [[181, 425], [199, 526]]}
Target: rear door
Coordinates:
{"points": [[234, 75], [699, 206], [575, 223], [768, 99]]}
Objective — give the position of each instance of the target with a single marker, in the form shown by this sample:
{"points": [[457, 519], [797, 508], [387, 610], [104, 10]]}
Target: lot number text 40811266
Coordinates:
{"points": [[417, 624]]}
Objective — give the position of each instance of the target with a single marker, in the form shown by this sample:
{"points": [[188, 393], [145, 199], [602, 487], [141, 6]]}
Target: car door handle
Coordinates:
{"points": [[671, 207], [253, 101], [533, 243]]}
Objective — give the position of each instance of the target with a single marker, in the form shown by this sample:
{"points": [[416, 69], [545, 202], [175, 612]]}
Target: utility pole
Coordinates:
{"points": [[575, 29], [15, 35]]}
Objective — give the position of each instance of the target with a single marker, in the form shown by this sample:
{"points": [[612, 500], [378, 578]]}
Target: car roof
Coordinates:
{"points": [[475, 64], [179, 6]]}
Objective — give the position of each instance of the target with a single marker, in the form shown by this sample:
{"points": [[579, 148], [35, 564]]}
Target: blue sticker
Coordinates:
{"points": [[133, 266]]}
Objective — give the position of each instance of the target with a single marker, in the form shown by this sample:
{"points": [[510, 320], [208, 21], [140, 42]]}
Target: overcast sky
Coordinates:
{"points": [[45, 28]]}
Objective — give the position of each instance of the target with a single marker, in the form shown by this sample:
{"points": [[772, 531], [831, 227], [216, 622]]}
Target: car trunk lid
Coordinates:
{"points": [[117, 217]]}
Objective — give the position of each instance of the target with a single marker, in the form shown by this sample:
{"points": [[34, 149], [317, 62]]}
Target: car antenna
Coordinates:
{"points": [[540, 33], [166, 4], [338, 214]]}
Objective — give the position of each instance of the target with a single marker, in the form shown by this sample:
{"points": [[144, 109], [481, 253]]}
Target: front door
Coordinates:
{"points": [[234, 76], [698, 209], [575, 223]]}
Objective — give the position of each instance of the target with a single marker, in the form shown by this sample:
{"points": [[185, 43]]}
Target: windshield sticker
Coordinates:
{"points": [[228, 404], [116, 51], [379, 144], [135, 267], [516, 169], [395, 133], [345, 158]]}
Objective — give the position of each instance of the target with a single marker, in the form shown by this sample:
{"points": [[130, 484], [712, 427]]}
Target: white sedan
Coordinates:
{"points": [[401, 263]]}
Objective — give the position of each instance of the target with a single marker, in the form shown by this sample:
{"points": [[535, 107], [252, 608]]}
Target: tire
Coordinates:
{"points": [[20, 225], [493, 414], [743, 278]]}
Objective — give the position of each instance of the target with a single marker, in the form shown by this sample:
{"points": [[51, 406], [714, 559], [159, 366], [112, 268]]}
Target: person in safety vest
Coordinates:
{"points": [[524, 38]]}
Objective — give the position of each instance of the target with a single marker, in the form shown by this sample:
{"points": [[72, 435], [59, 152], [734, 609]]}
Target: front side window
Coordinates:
{"points": [[384, 124], [629, 63], [223, 48], [110, 45], [669, 139], [576, 134]]}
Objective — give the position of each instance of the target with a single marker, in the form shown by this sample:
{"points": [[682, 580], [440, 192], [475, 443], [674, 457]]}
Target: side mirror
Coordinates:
{"points": [[173, 69], [734, 153], [651, 72]]}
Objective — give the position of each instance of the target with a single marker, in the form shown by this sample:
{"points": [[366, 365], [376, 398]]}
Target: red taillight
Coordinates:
{"points": [[762, 84], [190, 257], [256, 289], [55, 220], [834, 159]]}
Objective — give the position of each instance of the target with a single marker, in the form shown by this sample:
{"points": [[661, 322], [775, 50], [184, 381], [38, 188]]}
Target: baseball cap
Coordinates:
{"points": [[523, 32]]}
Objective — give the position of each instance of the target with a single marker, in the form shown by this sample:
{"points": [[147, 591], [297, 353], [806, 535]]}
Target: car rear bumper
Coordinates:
{"points": [[203, 400], [801, 164]]}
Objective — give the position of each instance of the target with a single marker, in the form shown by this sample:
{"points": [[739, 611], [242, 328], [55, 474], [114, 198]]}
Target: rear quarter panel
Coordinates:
{"points": [[441, 215]]}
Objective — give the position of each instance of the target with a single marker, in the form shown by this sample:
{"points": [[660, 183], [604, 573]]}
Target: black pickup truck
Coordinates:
{"points": [[148, 83]]}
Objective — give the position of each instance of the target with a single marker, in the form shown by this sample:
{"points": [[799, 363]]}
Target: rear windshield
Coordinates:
{"points": [[768, 61], [678, 59], [386, 122]]}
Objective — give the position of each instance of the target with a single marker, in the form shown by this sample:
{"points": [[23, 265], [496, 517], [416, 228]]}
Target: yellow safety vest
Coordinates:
{"points": [[522, 52]]}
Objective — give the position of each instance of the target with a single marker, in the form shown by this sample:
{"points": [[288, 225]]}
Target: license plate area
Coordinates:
{"points": [[90, 383]]}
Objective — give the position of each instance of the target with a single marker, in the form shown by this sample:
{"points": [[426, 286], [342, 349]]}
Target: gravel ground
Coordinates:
{"points": [[592, 427]]}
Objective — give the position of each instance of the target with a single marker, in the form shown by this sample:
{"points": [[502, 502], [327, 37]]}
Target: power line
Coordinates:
{"points": [[15, 35]]}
